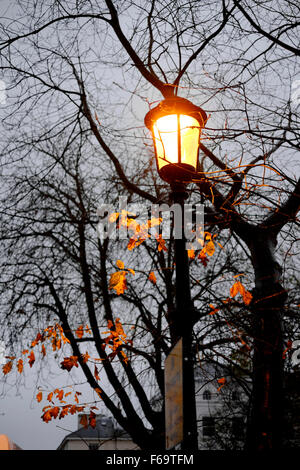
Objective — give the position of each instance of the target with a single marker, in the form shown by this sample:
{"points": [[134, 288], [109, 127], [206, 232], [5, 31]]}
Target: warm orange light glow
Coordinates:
{"points": [[176, 125], [165, 132]]}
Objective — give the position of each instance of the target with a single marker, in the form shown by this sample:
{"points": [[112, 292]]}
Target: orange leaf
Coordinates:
{"points": [[191, 254], [239, 288], [43, 350], [20, 366], [210, 248], [152, 277], [69, 362], [247, 297], [64, 411], [76, 396], [118, 282], [161, 243], [38, 338], [92, 419], [120, 264], [96, 374], [85, 357], [39, 396], [84, 421], [214, 310], [7, 367], [60, 395], [31, 358], [79, 331], [49, 397], [222, 382]]}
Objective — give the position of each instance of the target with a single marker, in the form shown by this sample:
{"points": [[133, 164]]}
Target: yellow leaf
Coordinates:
{"points": [[120, 264], [210, 248], [118, 282], [191, 254]]}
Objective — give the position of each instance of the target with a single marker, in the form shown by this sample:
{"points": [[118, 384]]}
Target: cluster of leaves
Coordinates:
{"points": [[115, 339]]}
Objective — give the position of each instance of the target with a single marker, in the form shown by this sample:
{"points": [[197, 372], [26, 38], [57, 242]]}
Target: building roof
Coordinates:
{"points": [[104, 429]]}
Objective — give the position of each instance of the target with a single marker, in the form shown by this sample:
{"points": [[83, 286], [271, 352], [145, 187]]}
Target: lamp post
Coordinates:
{"points": [[176, 126]]}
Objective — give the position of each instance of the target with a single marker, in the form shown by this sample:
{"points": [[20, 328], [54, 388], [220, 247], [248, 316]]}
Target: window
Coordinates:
{"points": [[235, 396], [238, 427], [93, 446], [206, 395], [208, 425]]}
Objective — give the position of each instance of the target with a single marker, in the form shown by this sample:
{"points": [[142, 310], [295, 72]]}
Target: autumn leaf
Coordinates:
{"points": [[118, 282], [98, 391], [79, 332], [239, 288], [203, 258], [76, 396], [96, 373], [31, 358], [191, 254], [161, 243], [38, 338], [7, 367], [222, 382], [92, 419], [214, 310], [49, 397], [210, 248], [152, 277], [120, 264], [84, 421], [39, 396], [247, 297], [20, 366], [43, 350], [69, 362], [60, 395], [64, 412], [88, 330], [85, 357]]}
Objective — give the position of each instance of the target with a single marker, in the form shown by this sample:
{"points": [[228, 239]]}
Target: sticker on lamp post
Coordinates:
{"points": [[174, 396]]}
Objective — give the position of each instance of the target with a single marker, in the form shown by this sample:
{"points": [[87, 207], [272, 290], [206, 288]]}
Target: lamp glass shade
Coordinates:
{"points": [[176, 140]]}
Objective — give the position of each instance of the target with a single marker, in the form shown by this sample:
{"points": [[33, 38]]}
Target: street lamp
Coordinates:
{"points": [[176, 125]]}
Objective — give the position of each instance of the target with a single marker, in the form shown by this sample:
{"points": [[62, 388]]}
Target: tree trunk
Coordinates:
{"points": [[266, 416]]}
